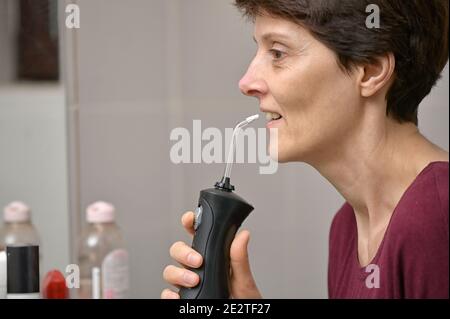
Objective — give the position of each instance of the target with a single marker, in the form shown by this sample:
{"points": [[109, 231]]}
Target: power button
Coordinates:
{"points": [[198, 217]]}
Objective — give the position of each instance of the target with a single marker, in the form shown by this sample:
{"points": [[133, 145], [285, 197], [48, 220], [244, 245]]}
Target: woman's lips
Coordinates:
{"points": [[275, 123]]}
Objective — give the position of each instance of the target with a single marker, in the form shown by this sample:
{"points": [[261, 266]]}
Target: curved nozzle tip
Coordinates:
{"points": [[251, 118]]}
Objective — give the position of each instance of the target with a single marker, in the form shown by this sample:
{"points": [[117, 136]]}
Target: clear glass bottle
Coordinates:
{"points": [[102, 257], [17, 229]]}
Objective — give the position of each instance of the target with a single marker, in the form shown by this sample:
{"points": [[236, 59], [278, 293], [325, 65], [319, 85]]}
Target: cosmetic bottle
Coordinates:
{"points": [[102, 257], [17, 229]]}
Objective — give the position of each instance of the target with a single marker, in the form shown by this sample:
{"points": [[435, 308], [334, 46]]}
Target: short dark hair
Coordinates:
{"points": [[415, 31]]}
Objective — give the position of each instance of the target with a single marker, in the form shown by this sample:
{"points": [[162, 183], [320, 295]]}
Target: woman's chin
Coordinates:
{"points": [[285, 158], [280, 155], [287, 153]]}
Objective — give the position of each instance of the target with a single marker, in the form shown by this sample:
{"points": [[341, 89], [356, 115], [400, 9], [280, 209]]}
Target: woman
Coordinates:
{"points": [[344, 98]]}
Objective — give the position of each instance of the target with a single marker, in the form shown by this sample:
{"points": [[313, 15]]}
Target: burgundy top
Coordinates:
{"points": [[413, 257]]}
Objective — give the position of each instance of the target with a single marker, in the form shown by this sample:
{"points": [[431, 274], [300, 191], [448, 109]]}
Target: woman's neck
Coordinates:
{"points": [[373, 168]]}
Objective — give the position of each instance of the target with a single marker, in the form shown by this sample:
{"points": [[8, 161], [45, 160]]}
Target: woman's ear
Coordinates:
{"points": [[377, 75]]}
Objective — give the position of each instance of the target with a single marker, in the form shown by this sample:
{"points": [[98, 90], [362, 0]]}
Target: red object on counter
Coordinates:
{"points": [[54, 286]]}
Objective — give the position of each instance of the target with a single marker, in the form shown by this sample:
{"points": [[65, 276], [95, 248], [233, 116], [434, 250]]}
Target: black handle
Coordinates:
{"points": [[219, 216]]}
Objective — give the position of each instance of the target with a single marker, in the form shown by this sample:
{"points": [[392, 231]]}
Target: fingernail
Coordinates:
{"points": [[193, 259], [190, 278]]}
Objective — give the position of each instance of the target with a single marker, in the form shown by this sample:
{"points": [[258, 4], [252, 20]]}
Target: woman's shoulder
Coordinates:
{"points": [[431, 183], [440, 173], [424, 209], [418, 235]]}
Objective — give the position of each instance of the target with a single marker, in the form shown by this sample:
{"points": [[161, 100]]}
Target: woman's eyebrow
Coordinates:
{"points": [[271, 35]]}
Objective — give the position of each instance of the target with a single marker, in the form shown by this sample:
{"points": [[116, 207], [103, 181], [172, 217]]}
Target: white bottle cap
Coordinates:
{"points": [[16, 212], [100, 212]]}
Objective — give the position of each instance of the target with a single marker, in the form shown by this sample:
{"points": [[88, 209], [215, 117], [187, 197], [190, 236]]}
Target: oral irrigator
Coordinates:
{"points": [[218, 216]]}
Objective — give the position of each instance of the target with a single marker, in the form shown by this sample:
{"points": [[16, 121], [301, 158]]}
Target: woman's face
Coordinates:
{"points": [[296, 77]]}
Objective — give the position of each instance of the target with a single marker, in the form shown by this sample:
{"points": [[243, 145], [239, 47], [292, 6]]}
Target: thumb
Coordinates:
{"points": [[242, 283]]}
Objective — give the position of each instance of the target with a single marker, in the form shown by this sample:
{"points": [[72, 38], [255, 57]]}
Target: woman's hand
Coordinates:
{"points": [[242, 284]]}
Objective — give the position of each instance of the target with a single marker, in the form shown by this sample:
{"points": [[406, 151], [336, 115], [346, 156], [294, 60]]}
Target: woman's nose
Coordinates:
{"points": [[251, 84]]}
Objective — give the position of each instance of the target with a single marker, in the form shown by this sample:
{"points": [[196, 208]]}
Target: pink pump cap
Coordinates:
{"points": [[100, 212], [16, 212]]}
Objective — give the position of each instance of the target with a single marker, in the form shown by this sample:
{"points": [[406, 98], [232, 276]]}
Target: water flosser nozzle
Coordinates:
{"points": [[225, 182], [219, 214]]}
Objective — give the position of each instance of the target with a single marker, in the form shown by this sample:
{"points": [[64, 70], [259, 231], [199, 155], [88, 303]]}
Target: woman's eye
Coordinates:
{"points": [[277, 54]]}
